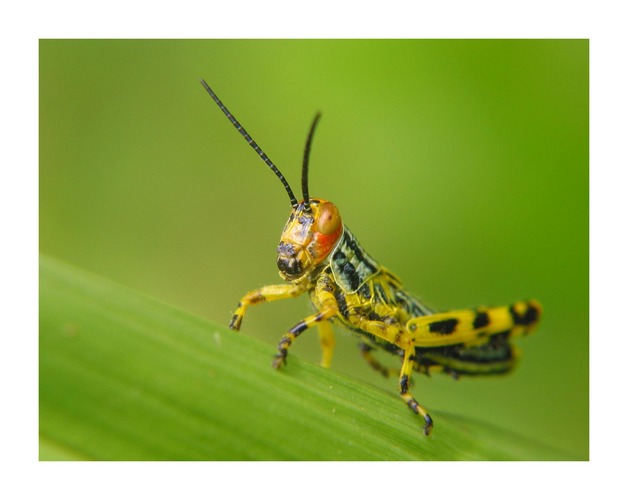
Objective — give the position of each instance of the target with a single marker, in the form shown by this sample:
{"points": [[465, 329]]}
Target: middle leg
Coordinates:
{"points": [[328, 342], [328, 308]]}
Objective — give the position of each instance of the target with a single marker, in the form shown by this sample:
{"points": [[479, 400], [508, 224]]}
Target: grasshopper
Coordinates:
{"points": [[318, 255]]}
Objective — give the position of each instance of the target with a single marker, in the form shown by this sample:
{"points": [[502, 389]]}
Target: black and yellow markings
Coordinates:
{"points": [[481, 320], [327, 308], [444, 326], [466, 342], [350, 265], [298, 329], [318, 254], [525, 313], [473, 327], [404, 383]]}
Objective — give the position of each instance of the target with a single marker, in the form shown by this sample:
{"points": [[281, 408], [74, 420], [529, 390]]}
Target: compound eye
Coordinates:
{"points": [[328, 218]]}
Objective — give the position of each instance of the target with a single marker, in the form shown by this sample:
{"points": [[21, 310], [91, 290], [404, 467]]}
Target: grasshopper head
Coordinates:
{"points": [[314, 225], [312, 231]]}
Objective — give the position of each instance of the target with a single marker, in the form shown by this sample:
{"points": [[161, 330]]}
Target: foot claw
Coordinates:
{"points": [[429, 424], [235, 322], [279, 360]]}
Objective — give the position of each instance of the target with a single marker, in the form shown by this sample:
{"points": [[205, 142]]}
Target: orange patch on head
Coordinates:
{"points": [[328, 229]]}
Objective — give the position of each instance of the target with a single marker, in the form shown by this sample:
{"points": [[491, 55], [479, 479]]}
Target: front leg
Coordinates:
{"points": [[264, 294], [327, 309]]}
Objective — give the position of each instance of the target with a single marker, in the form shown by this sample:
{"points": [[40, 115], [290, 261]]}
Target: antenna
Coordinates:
{"points": [[253, 144], [306, 163]]}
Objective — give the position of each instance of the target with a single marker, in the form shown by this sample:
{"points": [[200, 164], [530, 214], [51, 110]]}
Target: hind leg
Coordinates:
{"points": [[404, 384], [405, 341], [366, 351]]}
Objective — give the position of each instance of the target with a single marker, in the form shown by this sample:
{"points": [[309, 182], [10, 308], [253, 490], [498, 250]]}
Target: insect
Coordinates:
{"points": [[318, 255]]}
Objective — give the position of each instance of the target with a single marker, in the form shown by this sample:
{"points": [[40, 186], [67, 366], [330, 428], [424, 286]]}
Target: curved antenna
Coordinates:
{"points": [[253, 144], [306, 163]]}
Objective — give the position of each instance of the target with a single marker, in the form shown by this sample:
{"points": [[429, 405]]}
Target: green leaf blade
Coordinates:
{"points": [[125, 377]]}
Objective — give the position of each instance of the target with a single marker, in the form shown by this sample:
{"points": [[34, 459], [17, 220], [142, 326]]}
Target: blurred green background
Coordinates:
{"points": [[461, 165]]}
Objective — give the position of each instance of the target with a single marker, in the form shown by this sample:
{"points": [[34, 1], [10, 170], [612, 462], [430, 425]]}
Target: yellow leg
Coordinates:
{"points": [[298, 329], [264, 294], [392, 333], [404, 384], [328, 308], [328, 342], [399, 336]]}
